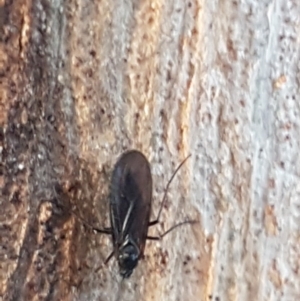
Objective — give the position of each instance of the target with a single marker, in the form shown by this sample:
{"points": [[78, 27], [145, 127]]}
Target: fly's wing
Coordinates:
{"points": [[130, 202]]}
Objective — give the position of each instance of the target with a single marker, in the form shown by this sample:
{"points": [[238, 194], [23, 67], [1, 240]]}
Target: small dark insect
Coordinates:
{"points": [[130, 208]]}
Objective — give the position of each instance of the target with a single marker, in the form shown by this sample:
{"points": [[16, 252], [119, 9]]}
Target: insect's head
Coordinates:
{"points": [[128, 258]]}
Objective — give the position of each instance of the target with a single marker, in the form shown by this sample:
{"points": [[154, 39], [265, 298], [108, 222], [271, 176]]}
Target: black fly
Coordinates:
{"points": [[130, 208]]}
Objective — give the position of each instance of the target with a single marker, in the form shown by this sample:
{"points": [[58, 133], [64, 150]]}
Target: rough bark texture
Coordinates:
{"points": [[82, 81]]}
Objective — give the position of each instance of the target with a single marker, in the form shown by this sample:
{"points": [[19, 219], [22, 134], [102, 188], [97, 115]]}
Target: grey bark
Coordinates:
{"points": [[83, 81]]}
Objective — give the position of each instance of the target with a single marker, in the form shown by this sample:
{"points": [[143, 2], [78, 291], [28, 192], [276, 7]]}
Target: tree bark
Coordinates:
{"points": [[83, 81]]}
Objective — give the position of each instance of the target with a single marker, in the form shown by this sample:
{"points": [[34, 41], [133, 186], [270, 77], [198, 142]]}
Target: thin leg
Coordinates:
{"points": [[105, 262], [171, 229], [103, 231], [153, 223], [153, 237], [166, 191], [109, 257]]}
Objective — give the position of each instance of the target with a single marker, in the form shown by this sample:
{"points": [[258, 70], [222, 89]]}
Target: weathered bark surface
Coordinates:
{"points": [[82, 81]]}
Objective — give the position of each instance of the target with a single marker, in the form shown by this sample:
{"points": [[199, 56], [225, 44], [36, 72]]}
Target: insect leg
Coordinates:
{"points": [[171, 229], [104, 230], [156, 221], [106, 261], [109, 257]]}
